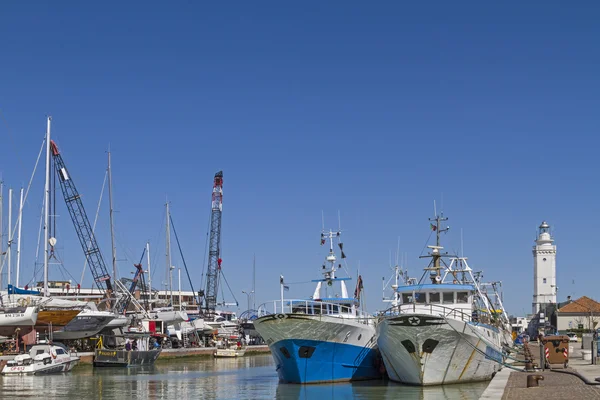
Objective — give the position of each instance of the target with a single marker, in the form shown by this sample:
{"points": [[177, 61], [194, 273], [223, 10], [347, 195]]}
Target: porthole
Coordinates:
{"points": [[359, 336]]}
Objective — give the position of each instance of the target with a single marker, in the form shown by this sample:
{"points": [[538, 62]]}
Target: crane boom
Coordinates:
{"points": [[214, 251], [82, 224]]}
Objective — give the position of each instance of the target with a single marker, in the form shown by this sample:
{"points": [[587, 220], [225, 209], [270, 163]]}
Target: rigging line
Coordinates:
{"points": [[25, 198], [95, 221], [231, 291], [184, 263], [427, 241], [205, 250], [37, 250]]}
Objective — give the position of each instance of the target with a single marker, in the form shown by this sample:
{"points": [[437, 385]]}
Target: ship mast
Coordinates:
{"points": [[47, 209]]}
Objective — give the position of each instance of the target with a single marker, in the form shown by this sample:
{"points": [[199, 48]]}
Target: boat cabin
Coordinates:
{"points": [[425, 297], [327, 306]]}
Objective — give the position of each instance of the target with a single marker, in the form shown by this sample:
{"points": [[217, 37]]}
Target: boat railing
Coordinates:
{"points": [[311, 307], [431, 309]]}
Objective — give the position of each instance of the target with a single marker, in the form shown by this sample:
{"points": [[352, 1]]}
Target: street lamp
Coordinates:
{"points": [[248, 297]]}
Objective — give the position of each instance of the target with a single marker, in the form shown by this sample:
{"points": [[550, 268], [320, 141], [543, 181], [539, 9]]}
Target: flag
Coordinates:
{"points": [[433, 227], [359, 287], [286, 288]]}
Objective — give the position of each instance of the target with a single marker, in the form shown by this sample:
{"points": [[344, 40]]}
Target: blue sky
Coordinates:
{"points": [[371, 109]]}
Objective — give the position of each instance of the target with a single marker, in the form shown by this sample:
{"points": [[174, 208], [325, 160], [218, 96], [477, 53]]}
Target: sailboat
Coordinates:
{"points": [[441, 331], [327, 338]]}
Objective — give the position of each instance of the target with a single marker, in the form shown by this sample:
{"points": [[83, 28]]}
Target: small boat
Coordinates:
{"points": [[42, 359], [230, 350], [113, 350]]}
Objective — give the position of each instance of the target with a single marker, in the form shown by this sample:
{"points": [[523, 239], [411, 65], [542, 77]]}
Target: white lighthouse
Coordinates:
{"points": [[544, 269]]}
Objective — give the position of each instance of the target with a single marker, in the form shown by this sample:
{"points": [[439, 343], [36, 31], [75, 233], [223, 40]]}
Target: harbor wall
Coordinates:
{"points": [[167, 354]]}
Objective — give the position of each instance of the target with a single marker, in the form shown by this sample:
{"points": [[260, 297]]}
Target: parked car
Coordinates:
{"points": [[572, 337]]}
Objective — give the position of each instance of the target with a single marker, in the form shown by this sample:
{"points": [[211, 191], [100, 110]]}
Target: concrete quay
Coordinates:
{"points": [[509, 384]]}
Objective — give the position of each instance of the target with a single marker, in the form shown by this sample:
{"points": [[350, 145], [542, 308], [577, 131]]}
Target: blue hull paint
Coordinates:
{"points": [[329, 362]]}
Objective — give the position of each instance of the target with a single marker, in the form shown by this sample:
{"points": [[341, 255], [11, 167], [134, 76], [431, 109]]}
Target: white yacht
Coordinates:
{"points": [[325, 339], [17, 316], [443, 331]]}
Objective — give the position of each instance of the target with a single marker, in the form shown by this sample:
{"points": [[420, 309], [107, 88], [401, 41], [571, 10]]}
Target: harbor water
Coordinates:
{"points": [[251, 377]]}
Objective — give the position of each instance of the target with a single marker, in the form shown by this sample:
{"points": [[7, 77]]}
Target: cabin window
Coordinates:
{"points": [[544, 280], [406, 298], [448, 297], [39, 352], [335, 309], [434, 297], [60, 351], [462, 297], [420, 298]]}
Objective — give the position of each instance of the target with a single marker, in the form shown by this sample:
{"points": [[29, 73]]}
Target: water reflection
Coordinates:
{"points": [[244, 378]]}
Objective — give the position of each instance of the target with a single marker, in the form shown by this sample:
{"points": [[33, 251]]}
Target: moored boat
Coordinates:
{"points": [[227, 349], [41, 359], [128, 350], [440, 332], [326, 339]]}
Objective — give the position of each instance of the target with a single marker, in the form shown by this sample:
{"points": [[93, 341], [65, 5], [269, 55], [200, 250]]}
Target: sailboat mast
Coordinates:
{"points": [[19, 239], [179, 279], [112, 226], [46, 208], [168, 253], [10, 235], [254, 282], [1, 227], [149, 272]]}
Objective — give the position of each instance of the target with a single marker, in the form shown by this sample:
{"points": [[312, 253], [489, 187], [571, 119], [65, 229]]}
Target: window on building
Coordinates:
{"points": [[462, 297], [448, 298], [544, 280], [434, 297]]}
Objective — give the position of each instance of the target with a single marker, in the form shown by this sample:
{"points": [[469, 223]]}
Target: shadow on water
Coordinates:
{"points": [[251, 377]]}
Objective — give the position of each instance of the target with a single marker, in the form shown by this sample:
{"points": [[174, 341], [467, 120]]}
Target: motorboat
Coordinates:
{"points": [[86, 324], [43, 358], [227, 349], [127, 350]]}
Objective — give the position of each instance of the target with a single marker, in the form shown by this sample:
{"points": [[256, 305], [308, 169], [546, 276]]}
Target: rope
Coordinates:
{"points": [[183, 260]]}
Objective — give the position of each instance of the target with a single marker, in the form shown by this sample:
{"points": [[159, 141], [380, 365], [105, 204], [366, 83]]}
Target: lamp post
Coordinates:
{"points": [[248, 296]]}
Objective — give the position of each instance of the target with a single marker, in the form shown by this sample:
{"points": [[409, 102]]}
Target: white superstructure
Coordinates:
{"points": [[544, 269]]}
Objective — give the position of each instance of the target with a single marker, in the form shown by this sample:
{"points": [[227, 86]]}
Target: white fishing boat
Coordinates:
{"points": [[325, 339], [440, 332], [41, 359]]}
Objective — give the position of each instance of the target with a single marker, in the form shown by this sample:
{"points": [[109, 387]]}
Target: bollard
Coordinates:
{"points": [[532, 380], [529, 367]]}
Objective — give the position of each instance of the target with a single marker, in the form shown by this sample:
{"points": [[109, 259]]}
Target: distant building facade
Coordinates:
{"points": [[583, 313]]}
